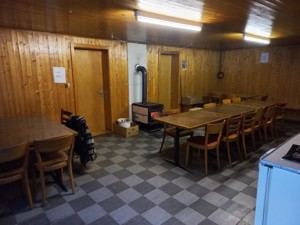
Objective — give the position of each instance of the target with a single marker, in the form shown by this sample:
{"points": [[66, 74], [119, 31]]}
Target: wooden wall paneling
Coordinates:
{"points": [[5, 91], [279, 78], [27, 87], [32, 72], [196, 80]]}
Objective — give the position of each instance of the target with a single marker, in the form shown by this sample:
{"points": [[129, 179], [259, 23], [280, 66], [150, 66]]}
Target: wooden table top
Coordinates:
{"points": [[230, 109], [30, 128], [243, 96], [254, 103], [192, 119]]}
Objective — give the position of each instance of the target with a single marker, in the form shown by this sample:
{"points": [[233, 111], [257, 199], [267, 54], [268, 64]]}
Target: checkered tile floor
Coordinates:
{"points": [[131, 183]]}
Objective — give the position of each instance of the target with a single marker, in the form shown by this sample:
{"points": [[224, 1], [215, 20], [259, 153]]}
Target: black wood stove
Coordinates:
{"points": [[143, 113]]}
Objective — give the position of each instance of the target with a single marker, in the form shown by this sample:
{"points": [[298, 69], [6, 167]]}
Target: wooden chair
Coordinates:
{"points": [[53, 155], [231, 134], [226, 101], [258, 122], [278, 117], [248, 129], [171, 131], [64, 116], [268, 121], [236, 99], [209, 105], [210, 141], [14, 166]]}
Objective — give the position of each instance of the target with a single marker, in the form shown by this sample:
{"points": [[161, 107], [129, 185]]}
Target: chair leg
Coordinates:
{"points": [[253, 141], [43, 186], [265, 132], [70, 169], [260, 136], [218, 157], [228, 153], [162, 142], [205, 161], [27, 189], [187, 154], [272, 131], [239, 150], [244, 146]]}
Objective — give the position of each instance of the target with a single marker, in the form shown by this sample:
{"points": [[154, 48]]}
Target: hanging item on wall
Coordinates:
{"points": [[184, 64], [220, 74]]}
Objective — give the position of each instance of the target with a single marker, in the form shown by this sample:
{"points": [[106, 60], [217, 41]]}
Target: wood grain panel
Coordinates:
{"points": [[196, 80], [26, 80], [279, 78]]}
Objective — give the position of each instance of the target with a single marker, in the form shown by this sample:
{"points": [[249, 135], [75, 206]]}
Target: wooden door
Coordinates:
{"points": [[89, 89], [168, 81]]}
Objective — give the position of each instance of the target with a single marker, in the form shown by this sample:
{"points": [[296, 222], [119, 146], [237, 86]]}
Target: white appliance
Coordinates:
{"points": [[278, 191]]}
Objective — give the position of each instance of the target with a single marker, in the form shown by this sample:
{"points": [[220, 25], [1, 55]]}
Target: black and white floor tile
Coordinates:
{"points": [[131, 183]]}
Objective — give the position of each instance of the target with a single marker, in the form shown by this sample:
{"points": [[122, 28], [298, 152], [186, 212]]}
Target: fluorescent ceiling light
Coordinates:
{"points": [[159, 20], [257, 39], [185, 9]]}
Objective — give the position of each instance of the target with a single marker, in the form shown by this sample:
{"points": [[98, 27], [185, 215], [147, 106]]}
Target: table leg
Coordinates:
{"points": [[176, 151]]}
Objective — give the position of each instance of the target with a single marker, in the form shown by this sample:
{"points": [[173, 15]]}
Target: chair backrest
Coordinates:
{"points": [[236, 99], [63, 143], [233, 125], [270, 113], [280, 109], [209, 105], [226, 101], [50, 146], [213, 133], [13, 153], [64, 116], [13, 163], [248, 120], [259, 115]]}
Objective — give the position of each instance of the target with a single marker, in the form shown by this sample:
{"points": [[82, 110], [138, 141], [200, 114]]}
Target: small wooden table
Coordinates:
{"points": [[30, 128], [189, 120]]}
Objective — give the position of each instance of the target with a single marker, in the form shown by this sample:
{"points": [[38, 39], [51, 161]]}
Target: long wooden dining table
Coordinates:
{"points": [[195, 119], [189, 120], [14, 130]]}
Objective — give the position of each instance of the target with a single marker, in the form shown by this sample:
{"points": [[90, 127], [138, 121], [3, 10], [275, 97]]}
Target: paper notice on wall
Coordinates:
{"points": [[59, 74], [264, 57]]}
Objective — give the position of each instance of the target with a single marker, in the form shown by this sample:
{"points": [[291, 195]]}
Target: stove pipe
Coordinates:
{"points": [[143, 70]]}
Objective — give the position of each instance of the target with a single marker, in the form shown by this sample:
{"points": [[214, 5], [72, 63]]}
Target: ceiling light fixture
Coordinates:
{"points": [[186, 10], [161, 20], [257, 39]]}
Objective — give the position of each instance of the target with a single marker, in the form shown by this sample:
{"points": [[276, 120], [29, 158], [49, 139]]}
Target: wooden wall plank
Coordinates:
{"points": [[196, 80], [27, 87], [279, 78], [27, 59]]}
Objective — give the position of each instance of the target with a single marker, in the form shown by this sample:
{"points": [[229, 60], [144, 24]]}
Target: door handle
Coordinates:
{"points": [[101, 93]]}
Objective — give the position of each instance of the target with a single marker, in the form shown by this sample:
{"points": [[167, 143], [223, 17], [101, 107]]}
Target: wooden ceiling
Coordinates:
{"points": [[224, 21]]}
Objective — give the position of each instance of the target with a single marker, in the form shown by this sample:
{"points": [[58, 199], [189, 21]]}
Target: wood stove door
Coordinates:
{"points": [[168, 80]]}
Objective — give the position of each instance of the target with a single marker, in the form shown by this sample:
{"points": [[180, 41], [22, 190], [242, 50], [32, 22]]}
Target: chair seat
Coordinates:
{"points": [[230, 137], [54, 160], [200, 140], [11, 175]]}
